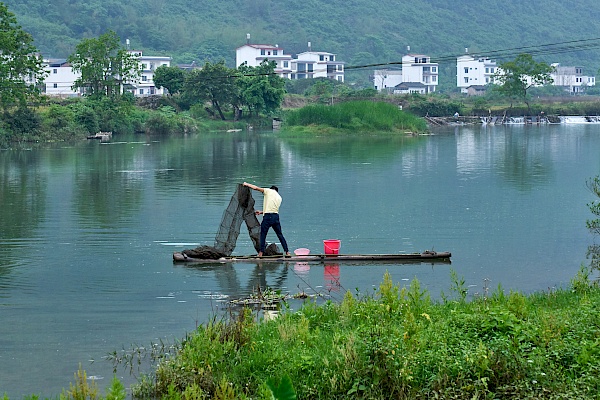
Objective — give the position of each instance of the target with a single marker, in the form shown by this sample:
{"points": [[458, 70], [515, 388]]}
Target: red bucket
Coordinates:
{"points": [[332, 246]]}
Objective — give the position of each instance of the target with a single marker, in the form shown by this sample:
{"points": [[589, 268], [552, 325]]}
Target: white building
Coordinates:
{"points": [[60, 78], [323, 65], [472, 71], [254, 54], [418, 75], [418, 68], [144, 86], [571, 78], [386, 78], [309, 64]]}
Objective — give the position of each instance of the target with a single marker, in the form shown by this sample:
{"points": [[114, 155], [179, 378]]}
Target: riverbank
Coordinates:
{"points": [[398, 343]]}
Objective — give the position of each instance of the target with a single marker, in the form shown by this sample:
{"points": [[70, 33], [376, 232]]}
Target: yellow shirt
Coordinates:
{"points": [[271, 202]]}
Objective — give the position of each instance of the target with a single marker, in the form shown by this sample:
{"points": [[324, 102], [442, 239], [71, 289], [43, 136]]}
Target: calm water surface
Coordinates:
{"points": [[87, 231]]}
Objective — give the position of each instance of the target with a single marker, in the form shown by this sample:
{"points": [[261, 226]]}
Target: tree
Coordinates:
{"points": [[215, 83], [517, 76], [171, 78], [593, 225], [21, 69], [104, 65], [261, 89]]}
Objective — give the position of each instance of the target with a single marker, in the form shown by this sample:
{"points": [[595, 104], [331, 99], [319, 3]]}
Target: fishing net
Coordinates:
{"points": [[240, 209]]}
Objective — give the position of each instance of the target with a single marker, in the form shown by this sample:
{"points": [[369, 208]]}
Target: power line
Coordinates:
{"points": [[544, 49]]}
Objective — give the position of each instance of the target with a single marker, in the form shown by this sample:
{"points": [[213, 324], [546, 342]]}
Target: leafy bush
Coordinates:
{"points": [[357, 116], [397, 343]]}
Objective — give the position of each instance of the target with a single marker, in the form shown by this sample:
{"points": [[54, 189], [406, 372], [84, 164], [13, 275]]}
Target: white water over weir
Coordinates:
{"points": [[595, 119]]}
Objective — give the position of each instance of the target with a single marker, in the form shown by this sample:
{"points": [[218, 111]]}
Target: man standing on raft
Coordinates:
{"points": [[270, 212]]}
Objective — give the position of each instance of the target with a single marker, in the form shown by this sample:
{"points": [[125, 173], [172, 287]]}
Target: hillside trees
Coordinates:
{"points": [[105, 66], [518, 76], [20, 67]]}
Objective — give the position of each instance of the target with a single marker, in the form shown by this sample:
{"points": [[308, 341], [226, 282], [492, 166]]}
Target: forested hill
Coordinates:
{"points": [[359, 31]]}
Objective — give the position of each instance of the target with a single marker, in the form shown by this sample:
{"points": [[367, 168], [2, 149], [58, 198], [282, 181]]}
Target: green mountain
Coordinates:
{"points": [[361, 32]]}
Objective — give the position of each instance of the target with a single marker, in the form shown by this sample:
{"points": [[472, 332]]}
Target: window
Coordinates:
{"points": [[434, 78], [262, 52], [332, 58], [466, 80], [310, 67], [55, 71], [301, 76], [321, 57], [340, 67], [426, 69], [144, 78], [433, 69], [274, 52], [152, 90], [141, 91], [286, 64], [55, 86], [492, 70], [301, 68], [487, 70], [340, 78], [151, 66], [466, 70]]}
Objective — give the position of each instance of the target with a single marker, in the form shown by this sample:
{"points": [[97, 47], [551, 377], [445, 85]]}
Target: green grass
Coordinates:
{"points": [[398, 343], [354, 116]]}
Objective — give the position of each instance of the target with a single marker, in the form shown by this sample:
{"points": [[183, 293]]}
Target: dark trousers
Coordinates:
{"points": [[271, 220]]}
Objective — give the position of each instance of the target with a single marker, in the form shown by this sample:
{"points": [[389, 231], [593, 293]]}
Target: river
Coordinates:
{"points": [[87, 230]]}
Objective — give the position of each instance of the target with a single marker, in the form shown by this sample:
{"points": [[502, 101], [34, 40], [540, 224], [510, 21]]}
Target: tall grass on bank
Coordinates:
{"points": [[363, 116], [398, 343]]}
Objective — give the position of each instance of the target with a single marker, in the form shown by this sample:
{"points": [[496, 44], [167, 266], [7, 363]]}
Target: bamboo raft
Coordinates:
{"points": [[429, 256]]}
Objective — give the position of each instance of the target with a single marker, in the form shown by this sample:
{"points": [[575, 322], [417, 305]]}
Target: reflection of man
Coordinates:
{"points": [[270, 212]]}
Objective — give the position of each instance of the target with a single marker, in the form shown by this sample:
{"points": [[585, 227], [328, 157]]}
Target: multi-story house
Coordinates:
{"points": [[571, 79], [384, 79], [418, 75], [418, 68], [309, 64], [60, 78], [254, 54], [322, 65], [144, 86], [476, 72]]}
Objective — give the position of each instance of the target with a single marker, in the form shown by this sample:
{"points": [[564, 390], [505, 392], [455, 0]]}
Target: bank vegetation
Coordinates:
{"points": [[393, 343]]}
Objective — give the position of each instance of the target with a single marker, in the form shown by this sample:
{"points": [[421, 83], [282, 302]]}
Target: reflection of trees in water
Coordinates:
{"points": [[22, 202], [109, 183], [524, 162], [354, 148], [218, 162]]}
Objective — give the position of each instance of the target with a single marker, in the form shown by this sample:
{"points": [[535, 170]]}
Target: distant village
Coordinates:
{"points": [[416, 74]]}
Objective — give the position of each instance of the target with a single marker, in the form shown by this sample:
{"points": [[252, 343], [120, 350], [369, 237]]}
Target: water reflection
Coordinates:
{"points": [[518, 157], [254, 276], [23, 185]]}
